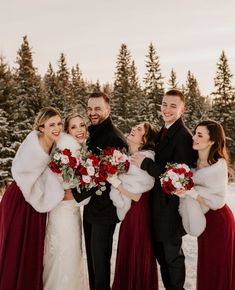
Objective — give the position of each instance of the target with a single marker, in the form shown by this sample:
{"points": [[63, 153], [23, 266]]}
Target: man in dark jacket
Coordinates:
{"points": [[174, 144], [100, 215]]}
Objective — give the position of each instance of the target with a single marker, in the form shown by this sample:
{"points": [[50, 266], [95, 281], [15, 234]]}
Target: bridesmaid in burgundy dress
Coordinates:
{"points": [[34, 191], [136, 267], [216, 245]]}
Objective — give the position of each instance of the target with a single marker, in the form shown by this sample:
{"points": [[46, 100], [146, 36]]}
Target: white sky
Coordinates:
{"points": [[188, 34]]}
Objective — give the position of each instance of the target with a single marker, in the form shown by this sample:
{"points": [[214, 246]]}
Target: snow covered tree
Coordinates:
{"points": [[63, 100], [50, 87], [78, 90], [28, 93], [223, 105], [196, 105], [153, 82], [172, 82], [122, 87]]}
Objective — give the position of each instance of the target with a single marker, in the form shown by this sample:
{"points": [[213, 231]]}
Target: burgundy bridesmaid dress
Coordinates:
{"points": [[22, 232], [136, 267], [216, 251]]}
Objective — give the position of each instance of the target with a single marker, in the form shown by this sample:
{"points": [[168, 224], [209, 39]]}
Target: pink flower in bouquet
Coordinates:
{"points": [[114, 161], [177, 176]]}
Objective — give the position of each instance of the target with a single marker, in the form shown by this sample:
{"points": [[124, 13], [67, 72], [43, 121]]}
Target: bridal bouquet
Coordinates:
{"points": [[94, 170], [177, 176], [89, 175], [65, 160]]}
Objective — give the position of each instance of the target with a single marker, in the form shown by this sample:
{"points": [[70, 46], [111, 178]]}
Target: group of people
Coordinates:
{"points": [[41, 225]]}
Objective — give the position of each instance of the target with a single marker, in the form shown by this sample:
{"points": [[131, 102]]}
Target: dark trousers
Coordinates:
{"points": [[99, 241], [170, 257]]}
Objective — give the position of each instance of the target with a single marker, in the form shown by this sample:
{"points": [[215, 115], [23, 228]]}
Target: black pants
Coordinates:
{"points": [[99, 241], [170, 257]]}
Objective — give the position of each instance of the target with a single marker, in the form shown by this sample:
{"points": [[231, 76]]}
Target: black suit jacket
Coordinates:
{"points": [[176, 147], [100, 209]]}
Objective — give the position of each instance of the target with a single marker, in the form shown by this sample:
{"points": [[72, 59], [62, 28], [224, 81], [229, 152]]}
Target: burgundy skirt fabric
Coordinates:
{"points": [[216, 252], [136, 267], [22, 233]]}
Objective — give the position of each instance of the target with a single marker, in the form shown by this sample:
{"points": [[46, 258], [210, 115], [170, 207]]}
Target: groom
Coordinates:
{"points": [[173, 144], [100, 217]]}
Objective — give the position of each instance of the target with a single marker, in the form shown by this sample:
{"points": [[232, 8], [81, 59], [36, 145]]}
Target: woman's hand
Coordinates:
{"points": [[68, 194], [180, 192], [137, 159]]}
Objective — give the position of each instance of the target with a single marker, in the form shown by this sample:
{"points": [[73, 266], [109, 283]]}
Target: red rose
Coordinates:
{"points": [[72, 162], [55, 167], [167, 186], [67, 152], [112, 169]]}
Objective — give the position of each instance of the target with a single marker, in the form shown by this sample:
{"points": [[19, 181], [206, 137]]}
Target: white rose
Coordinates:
{"points": [[64, 159], [86, 178], [57, 156], [90, 170]]}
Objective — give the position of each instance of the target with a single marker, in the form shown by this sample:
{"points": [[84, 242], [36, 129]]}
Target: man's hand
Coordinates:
{"points": [[137, 159]]}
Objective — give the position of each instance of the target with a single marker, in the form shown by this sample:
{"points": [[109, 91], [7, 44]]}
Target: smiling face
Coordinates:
{"points": [[77, 128], [136, 135], [97, 110], [171, 109], [201, 139], [52, 128]]}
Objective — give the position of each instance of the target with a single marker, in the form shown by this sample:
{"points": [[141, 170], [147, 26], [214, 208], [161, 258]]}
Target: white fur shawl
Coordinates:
{"points": [[136, 181], [38, 183], [210, 183]]}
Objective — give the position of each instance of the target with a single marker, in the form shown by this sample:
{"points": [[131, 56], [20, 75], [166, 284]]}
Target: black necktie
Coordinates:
{"points": [[164, 131]]}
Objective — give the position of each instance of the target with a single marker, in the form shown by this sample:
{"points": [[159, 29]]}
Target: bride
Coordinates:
{"points": [[63, 259]]}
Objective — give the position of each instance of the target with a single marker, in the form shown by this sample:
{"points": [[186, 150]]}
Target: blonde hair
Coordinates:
{"points": [[43, 115], [69, 118]]}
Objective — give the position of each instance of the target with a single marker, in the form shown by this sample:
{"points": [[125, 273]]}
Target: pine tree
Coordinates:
{"points": [[172, 82], [153, 82], [63, 99], [50, 87], [135, 98], [121, 91], [224, 101], [196, 106], [78, 90], [28, 93]]}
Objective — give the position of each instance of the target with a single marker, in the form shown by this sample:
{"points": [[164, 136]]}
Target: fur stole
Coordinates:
{"points": [[39, 185], [210, 183], [136, 181]]}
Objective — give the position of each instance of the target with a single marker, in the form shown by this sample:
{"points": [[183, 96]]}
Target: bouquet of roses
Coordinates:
{"points": [[177, 176], [89, 175], [113, 161], [65, 160], [94, 170]]}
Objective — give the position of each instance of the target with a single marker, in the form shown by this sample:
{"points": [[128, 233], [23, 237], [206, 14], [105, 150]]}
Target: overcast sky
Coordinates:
{"points": [[188, 34]]}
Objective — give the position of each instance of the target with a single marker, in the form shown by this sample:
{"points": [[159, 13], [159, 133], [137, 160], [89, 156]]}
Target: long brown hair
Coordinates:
{"points": [[149, 138], [219, 148]]}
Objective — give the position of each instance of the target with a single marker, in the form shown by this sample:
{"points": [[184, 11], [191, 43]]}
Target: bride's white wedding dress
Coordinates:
{"points": [[63, 260]]}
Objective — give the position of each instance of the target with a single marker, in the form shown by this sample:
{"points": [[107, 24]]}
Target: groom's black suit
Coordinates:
{"points": [[167, 229], [100, 217]]}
